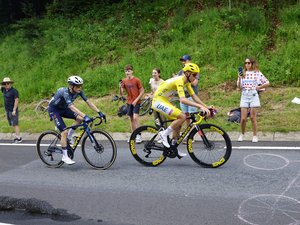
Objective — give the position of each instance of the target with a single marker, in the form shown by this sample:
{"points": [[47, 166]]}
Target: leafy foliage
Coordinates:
{"points": [[97, 38]]}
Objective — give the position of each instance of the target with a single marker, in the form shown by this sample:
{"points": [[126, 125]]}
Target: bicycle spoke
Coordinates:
{"points": [[102, 152], [150, 151], [211, 146], [48, 149]]}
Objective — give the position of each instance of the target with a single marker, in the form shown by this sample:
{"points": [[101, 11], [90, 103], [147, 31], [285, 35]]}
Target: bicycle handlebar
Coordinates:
{"points": [[202, 115]]}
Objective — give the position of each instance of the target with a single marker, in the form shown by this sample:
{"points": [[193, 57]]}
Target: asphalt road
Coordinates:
{"points": [[258, 185]]}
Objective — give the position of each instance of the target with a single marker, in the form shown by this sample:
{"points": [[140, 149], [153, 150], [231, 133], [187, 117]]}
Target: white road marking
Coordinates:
{"points": [[266, 147], [25, 144]]}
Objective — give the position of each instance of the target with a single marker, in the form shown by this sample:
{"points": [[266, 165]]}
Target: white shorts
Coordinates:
{"points": [[249, 99]]}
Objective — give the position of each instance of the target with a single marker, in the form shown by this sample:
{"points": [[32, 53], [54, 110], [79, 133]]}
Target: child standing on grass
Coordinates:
{"points": [[135, 90], [250, 81]]}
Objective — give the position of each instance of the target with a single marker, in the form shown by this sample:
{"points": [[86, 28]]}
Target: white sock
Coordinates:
{"points": [[70, 133], [65, 152], [168, 131]]}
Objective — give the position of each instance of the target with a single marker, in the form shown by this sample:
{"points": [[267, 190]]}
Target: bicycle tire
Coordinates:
{"points": [[145, 106], [101, 158], [48, 149], [211, 156], [144, 152], [42, 106]]}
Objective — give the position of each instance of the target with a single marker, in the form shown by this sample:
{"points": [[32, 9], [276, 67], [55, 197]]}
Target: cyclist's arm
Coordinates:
{"points": [[92, 106], [74, 109]]}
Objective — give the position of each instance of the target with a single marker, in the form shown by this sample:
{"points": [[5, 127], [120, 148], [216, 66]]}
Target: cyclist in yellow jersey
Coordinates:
{"points": [[162, 104]]}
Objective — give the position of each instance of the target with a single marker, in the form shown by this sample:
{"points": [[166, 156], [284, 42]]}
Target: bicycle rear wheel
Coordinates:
{"points": [[150, 151], [211, 147], [48, 148], [102, 153], [42, 106], [145, 106]]}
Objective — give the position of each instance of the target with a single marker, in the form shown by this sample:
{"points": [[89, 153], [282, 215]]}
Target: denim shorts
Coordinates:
{"points": [[188, 108], [249, 99], [12, 120]]}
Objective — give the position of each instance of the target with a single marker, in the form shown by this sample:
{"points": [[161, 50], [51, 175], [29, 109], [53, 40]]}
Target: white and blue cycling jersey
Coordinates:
{"points": [[64, 98]]}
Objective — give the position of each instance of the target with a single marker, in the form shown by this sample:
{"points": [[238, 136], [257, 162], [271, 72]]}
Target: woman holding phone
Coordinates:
{"points": [[250, 81]]}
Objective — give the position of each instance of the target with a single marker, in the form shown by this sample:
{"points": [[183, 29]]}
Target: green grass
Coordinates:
{"points": [[277, 113], [40, 53]]}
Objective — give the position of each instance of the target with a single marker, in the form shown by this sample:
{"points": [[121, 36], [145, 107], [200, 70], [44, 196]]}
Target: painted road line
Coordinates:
{"points": [[6, 223], [266, 147], [25, 144]]}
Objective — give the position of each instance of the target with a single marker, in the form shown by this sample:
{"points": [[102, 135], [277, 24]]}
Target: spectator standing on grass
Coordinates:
{"points": [[154, 82], [250, 81], [135, 90], [11, 102]]}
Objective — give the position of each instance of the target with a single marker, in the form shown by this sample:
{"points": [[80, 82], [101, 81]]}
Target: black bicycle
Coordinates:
{"points": [[207, 144], [98, 147]]}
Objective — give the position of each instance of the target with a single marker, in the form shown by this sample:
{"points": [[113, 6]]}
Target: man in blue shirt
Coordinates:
{"points": [[61, 106], [11, 101]]}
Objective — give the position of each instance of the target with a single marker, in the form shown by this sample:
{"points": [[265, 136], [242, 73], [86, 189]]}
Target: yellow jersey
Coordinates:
{"points": [[171, 86]]}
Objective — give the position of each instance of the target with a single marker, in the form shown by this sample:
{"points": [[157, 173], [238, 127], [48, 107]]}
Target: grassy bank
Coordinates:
{"points": [[277, 112], [40, 53]]}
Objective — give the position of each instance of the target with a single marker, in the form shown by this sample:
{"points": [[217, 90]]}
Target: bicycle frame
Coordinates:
{"points": [[193, 123], [86, 128]]}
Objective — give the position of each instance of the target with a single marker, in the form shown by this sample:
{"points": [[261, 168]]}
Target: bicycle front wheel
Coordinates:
{"points": [[101, 152], [145, 106], [48, 148], [209, 146], [147, 149]]}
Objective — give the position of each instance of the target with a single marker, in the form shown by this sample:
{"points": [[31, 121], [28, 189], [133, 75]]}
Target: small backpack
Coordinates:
{"points": [[234, 115]]}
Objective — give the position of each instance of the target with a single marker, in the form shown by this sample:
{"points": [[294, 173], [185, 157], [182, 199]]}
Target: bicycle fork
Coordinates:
{"points": [[203, 137], [98, 147]]}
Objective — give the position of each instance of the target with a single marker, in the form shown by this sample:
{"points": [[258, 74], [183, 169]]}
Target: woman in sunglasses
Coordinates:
{"points": [[250, 81]]}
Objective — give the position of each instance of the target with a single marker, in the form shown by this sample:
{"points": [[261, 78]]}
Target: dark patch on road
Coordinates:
{"points": [[35, 206]]}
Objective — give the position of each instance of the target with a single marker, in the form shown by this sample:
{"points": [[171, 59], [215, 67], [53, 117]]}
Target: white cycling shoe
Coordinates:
{"points": [[181, 154], [164, 139], [67, 160]]}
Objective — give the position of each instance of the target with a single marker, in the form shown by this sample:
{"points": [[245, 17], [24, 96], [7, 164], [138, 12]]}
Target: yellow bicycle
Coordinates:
{"points": [[207, 144]]}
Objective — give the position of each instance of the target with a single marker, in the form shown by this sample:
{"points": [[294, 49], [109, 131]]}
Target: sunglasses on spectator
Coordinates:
{"points": [[7, 83], [247, 63]]}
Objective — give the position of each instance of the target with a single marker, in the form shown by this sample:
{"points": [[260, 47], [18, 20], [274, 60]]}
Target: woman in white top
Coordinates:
{"points": [[250, 81], [154, 82]]}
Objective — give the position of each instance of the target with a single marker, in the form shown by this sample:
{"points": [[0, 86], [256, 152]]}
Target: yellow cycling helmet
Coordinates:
{"points": [[192, 67]]}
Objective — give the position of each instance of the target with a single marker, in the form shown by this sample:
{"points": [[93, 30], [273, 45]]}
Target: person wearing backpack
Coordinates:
{"points": [[250, 81]]}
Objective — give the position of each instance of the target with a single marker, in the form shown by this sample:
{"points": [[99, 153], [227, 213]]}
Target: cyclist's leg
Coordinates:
{"points": [[57, 116], [77, 121], [163, 106]]}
